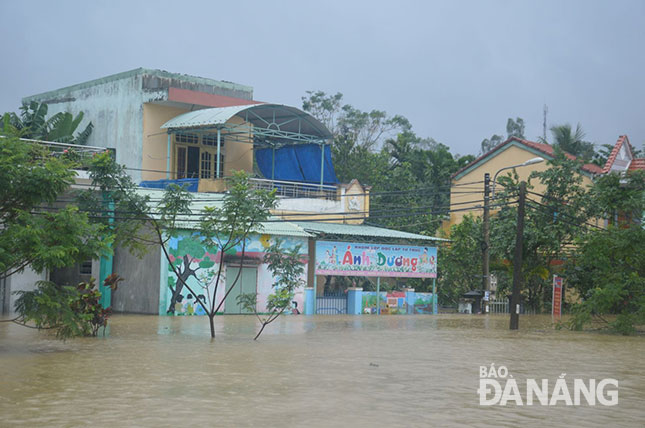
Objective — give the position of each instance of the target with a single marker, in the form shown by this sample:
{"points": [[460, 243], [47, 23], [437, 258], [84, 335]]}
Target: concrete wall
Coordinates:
{"points": [[239, 153], [24, 281], [155, 140], [139, 292], [115, 107]]}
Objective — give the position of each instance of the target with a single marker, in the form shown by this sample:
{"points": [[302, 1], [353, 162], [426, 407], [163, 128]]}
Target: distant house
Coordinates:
{"points": [[620, 161], [622, 158], [467, 187]]}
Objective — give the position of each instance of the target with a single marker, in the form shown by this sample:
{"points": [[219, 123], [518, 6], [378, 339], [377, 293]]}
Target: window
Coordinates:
{"points": [[86, 267], [196, 156], [210, 140], [187, 138], [206, 167]]}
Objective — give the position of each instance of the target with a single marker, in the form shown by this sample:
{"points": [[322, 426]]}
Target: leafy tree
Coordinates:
{"points": [[489, 144], [461, 261], [34, 231], [287, 270], [365, 129], [608, 270], [601, 156], [609, 274], [221, 229], [572, 142], [515, 128]]}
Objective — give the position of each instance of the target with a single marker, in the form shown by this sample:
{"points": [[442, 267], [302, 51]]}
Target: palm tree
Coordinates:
{"points": [[571, 142]]}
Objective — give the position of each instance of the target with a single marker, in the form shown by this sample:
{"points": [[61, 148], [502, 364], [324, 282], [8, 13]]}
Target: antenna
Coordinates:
{"points": [[546, 110]]}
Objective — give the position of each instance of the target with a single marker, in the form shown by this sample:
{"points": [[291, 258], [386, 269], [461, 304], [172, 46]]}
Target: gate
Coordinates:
{"points": [[501, 307], [331, 304]]}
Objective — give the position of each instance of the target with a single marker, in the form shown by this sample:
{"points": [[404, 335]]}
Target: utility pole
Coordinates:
{"points": [[486, 244], [517, 261]]}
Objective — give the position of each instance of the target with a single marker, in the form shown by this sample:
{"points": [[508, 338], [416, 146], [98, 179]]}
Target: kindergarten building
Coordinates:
{"points": [[165, 127]]}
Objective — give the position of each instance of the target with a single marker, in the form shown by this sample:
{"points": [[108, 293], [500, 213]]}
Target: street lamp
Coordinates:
{"points": [[486, 260], [527, 163]]}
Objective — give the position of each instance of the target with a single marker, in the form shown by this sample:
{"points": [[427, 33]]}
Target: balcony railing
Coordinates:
{"points": [[290, 189]]}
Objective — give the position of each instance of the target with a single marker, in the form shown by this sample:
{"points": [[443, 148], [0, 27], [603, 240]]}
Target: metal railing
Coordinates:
{"points": [[291, 189], [62, 147]]}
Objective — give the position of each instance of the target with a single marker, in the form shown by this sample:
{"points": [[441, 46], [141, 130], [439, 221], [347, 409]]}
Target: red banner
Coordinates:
{"points": [[556, 302]]}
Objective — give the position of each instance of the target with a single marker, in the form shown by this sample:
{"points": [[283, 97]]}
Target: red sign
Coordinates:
{"points": [[556, 302]]}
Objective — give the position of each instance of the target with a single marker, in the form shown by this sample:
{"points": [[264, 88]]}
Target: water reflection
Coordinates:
{"points": [[314, 371]]}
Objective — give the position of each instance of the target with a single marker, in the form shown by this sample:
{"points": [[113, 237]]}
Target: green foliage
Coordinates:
{"points": [[601, 156], [287, 270], [35, 231], [243, 208], [383, 152], [365, 129], [488, 144], [609, 268], [551, 222], [515, 128], [33, 124], [68, 311], [609, 274], [114, 203], [460, 269], [572, 142]]}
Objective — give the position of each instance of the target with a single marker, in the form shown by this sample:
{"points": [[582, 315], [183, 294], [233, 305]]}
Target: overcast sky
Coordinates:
{"points": [[456, 69]]}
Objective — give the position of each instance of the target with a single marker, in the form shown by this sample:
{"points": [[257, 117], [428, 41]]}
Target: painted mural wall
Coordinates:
{"points": [[199, 265], [394, 303]]}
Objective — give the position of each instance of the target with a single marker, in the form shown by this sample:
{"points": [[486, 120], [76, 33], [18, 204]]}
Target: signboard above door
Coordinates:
{"points": [[367, 259]]}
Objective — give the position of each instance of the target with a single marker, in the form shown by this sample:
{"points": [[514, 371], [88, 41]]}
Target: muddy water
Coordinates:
{"points": [[308, 371]]}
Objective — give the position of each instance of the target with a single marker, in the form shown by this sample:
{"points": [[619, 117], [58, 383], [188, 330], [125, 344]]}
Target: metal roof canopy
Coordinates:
{"points": [[271, 125], [368, 233]]}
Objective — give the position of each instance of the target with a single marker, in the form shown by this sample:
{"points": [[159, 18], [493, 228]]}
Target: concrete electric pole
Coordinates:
{"points": [[517, 260], [486, 244]]}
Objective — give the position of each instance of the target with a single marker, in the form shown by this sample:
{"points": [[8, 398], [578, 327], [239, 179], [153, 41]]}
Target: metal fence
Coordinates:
{"points": [[498, 306], [501, 307], [331, 304]]}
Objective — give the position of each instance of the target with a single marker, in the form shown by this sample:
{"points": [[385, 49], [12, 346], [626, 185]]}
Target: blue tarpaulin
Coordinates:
{"points": [[190, 184], [297, 163]]}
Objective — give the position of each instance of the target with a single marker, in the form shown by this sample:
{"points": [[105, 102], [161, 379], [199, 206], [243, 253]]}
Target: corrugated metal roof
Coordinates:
{"points": [[362, 230], [203, 200], [262, 115]]}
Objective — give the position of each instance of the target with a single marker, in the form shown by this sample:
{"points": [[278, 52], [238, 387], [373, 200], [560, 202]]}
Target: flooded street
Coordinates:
{"points": [[308, 371]]}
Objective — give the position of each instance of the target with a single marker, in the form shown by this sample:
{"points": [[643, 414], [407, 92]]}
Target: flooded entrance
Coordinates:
{"points": [[308, 371]]}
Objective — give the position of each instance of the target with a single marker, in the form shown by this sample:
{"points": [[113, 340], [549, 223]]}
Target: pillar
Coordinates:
{"points": [[310, 301], [354, 300], [410, 297]]}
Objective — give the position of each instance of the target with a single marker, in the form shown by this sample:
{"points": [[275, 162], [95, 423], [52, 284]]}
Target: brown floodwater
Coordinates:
{"points": [[308, 371]]}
